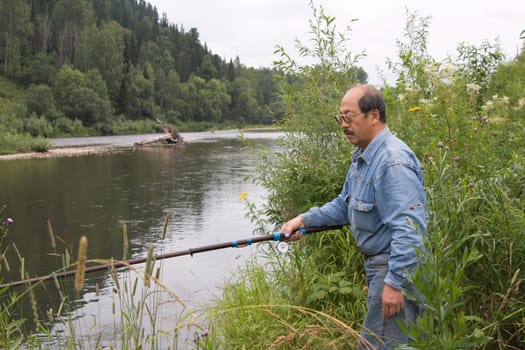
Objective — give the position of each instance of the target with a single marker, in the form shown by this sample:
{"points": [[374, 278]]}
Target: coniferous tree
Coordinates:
{"points": [[15, 28], [118, 57]]}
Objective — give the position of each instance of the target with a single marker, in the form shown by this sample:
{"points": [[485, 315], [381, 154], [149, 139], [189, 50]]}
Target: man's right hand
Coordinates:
{"points": [[290, 228]]}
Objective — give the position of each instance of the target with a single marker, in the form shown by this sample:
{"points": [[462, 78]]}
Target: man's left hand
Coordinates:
{"points": [[392, 300]]}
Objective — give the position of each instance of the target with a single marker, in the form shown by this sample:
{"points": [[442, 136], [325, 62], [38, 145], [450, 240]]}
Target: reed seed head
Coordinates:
{"points": [[125, 245], [165, 228], [149, 266], [51, 234], [81, 264]]}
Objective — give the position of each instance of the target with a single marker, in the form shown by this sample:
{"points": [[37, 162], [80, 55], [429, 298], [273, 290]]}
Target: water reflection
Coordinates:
{"points": [[197, 187]]}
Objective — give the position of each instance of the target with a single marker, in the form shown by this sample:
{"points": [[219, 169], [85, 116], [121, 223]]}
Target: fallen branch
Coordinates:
{"points": [[169, 139]]}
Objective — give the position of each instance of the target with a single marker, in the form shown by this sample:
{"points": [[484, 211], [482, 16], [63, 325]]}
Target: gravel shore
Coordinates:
{"points": [[64, 152]]}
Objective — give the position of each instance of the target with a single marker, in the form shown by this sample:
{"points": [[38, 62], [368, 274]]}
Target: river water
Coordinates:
{"points": [[196, 187]]}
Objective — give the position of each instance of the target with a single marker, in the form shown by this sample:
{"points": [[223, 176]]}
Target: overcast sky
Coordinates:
{"points": [[251, 29]]}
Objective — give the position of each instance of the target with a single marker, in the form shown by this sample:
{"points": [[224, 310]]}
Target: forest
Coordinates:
{"points": [[103, 67]]}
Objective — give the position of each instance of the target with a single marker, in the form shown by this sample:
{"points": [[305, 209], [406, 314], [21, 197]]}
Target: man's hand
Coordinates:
{"points": [[392, 300], [290, 228]]}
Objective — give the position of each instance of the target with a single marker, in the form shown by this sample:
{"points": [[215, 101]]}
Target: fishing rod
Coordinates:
{"points": [[277, 236]]}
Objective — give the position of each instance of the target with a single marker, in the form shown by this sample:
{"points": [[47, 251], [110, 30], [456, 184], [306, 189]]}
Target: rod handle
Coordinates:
{"points": [[280, 236], [319, 229]]}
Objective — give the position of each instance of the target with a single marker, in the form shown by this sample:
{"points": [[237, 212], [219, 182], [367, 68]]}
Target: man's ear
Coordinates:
{"points": [[374, 113]]}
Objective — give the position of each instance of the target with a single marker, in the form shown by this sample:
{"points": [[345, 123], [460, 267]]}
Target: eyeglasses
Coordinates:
{"points": [[340, 118]]}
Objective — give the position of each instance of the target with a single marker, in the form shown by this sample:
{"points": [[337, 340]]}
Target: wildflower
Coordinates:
{"points": [[473, 87], [484, 118], [488, 105], [9, 221], [243, 195], [449, 69], [456, 159], [425, 101], [205, 332], [430, 70], [471, 185], [475, 129], [411, 206], [415, 109], [440, 144]]}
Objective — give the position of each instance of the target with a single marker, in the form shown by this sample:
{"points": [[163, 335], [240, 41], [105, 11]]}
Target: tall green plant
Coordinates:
{"points": [[315, 156], [469, 145], [11, 335], [321, 273], [467, 140]]}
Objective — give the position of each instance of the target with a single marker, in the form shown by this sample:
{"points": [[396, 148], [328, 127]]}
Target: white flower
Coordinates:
{"points": [[473, 88], [424, 102], [488, 105]]}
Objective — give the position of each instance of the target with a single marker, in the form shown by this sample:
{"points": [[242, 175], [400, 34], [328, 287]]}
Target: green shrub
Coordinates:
{"points": [[468, 141], [22, 143], [38, 126]]}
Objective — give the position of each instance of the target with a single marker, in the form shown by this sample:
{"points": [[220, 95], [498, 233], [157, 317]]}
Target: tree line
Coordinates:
{"points": [[102, 64]]}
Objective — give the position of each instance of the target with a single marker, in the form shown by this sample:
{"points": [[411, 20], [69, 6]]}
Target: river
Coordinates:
{"points": [[197, 187]]}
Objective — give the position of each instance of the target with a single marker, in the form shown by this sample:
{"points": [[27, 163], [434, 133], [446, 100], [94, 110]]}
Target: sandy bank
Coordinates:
{"points": [[64, 152]]}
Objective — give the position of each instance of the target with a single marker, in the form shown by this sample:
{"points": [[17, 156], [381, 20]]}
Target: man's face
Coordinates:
{"points": [[359, 127]]}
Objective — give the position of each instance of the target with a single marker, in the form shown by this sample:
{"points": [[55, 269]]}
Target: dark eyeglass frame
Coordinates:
{"points": [[346, 118]]}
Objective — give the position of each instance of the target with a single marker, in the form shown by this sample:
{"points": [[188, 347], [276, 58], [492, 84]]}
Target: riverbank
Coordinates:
{"points": [[82, 146], [64, 152]]}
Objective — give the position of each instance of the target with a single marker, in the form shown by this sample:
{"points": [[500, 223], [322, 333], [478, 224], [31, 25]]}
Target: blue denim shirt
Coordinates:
{"points": [[384, 201]]}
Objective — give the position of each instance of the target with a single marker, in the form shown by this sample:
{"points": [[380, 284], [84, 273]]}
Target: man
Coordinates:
{"points": [[383, 200]]}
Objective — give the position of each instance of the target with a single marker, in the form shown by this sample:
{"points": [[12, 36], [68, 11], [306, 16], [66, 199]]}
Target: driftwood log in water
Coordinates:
{"points": [[169, 138]]}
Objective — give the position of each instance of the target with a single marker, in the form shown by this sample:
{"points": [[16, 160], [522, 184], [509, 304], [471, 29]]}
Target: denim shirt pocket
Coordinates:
{"points": [[364, 216]]}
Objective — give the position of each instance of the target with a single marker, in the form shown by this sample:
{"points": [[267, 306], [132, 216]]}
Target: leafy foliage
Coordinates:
{"points": [[464, 119], [103, 59]]}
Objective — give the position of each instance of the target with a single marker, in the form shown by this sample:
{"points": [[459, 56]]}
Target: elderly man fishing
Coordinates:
{"points": [[384, 202]]}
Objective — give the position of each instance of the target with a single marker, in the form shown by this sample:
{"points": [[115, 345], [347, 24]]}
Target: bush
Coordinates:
{"points": [[69, 127], [468, 144], [123, 126], [22, 143], [323, 276], [39, 100], [38, 126]]}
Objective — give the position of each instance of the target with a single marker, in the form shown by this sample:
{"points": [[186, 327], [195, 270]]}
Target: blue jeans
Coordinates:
{"points": [[378, 333]]}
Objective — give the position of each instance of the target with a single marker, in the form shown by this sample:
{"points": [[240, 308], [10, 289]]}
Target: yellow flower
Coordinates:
{"points": [[243, 195], [415, 109]]}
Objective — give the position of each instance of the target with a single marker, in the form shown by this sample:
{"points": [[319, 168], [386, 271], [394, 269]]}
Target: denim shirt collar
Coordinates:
{"points": [[368, 153]]}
